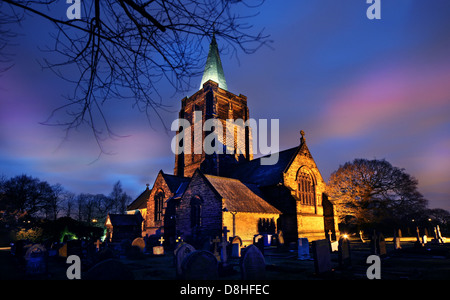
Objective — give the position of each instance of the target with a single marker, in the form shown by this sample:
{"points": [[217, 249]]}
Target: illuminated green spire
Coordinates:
{"points": [[213, 68]]}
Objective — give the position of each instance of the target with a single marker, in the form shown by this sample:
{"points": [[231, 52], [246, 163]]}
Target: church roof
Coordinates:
{"points": [[141, 200], [174, 182], [240, 197], [265, 175], [213, 68]]}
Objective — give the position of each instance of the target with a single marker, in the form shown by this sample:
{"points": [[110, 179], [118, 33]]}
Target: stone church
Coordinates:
{"points": [[207, 192]]}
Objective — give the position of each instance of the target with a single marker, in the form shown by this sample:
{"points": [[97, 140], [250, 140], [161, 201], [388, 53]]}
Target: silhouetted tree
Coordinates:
{"points": [[123, 48]]}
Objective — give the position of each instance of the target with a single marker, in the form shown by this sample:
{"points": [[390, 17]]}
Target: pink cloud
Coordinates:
{"points": [[386, 96]]}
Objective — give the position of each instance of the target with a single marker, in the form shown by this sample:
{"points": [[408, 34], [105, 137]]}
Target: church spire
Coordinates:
{"points": [[213, 68]]}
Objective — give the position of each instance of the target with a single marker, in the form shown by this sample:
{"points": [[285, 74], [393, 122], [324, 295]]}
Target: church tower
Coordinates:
{"points": [[213, 101]]}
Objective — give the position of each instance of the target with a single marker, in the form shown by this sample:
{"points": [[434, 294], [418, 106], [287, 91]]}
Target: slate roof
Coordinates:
{"points": [[240, 197], [141, 200], [264, 175], [174, 182]]}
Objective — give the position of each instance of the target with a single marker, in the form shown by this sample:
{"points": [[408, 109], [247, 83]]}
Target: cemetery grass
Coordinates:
{"points": [[427, 263]]}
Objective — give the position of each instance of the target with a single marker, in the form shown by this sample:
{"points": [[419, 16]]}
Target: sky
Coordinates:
{"points": [[359, 88]]}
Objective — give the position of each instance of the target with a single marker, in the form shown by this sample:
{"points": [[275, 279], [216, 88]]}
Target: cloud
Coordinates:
{"points": [[386, 98]]}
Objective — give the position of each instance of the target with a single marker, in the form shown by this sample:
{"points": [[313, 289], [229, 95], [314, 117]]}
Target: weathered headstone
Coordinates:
{"points": [[280, 238], [140, 243], [224, 243], [258, 241], [199, 265], [236, 244], [344, 253], [158, 250], [36, 260], [374, 248], [418, 243], [397, 243], [303, 249], [216, 242], [334, 246], [180, 254], [109, 269], [322, 256], [440, 238], [253, 265], [361, 237], [424, 239], [381, 245], [396, 240], [235, 250]]}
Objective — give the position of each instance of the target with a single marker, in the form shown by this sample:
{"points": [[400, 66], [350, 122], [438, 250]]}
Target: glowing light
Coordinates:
{"points": [[345, 236]]}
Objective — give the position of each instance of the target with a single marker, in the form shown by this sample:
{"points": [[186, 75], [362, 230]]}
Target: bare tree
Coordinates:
{"points": [[123, 48]]}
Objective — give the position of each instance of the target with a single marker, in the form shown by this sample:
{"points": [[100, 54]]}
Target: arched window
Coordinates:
{"points": [[159, 202], [196, 211], [306, 188]]}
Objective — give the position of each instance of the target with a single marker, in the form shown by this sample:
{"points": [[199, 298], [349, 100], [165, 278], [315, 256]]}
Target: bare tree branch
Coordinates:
{"points": [[122, 49]]}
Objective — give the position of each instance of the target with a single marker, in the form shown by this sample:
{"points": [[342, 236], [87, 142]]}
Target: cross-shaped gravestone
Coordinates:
{"points": [[97, 245], [330, 233], [161, 240], [223, 254]]}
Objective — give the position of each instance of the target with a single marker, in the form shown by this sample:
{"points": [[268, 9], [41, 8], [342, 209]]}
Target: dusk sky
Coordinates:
{"points": [[359, 88]]}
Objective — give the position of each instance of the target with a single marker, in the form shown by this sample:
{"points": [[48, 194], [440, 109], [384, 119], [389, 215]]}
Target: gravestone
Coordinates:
{"points": [[267, 238], [374, 249], [396, 240], [344, 253], [280, 238], [199, 265], [140, 243], [215, 242], [180, 253], [424, 239], [224, 243], [258, 241], [36, 260], [334, 246], [440, 238], [253, 265], [322, 256], [361, 237], [381, 244], [158, 250], [235, 250], [303, 249], [397, 243], [236, 244], [109, 269], [418, 243]]}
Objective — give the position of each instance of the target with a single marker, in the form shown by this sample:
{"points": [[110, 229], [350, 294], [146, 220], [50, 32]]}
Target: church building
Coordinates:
{"points": [[208, 192]]}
